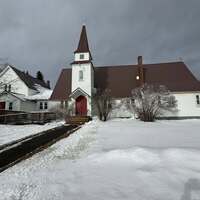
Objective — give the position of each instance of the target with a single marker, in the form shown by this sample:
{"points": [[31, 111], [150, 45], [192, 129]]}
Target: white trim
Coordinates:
{"points": [[78, 90]]}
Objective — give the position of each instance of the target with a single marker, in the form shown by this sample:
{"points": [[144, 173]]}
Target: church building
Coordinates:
{"points": [[77, 84]]}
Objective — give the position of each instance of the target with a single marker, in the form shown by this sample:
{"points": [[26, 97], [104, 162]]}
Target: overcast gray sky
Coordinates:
{"points": [[42, 34]]}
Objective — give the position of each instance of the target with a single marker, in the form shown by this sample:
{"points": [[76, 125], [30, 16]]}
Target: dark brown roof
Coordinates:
{"points": [[62, 89], [176, 76], [29, 80], [83, 42], [121, 80]]}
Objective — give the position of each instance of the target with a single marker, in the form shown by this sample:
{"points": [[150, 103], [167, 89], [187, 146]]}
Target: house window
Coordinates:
{"points": [[81, 56], [45, 105], [5, 87], [80, 75], [10, 107], [41, 105], [9, 88], [197, 100]]}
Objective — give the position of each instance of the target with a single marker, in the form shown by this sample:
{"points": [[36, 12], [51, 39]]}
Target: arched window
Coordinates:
{"points": [[80, 75]]}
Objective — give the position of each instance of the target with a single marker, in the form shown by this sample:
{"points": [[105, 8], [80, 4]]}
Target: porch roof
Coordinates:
{"points": [[78, 92]]}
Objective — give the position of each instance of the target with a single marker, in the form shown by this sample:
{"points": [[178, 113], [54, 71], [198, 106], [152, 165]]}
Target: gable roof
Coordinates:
{"points": [[121, 80], [176, 76], [62, 89], [77, 92], [29, 80], [83, 45]]}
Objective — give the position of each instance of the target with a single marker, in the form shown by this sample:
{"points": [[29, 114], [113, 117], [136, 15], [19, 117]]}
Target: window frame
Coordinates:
{"points": [[45, 106], [41, 106], [9, 88], [81, 56], [5, 87], [10, 106]]}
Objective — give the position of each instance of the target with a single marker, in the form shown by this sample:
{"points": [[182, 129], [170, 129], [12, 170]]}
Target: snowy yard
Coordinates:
{"points": [[119, 159], [10, 133]]}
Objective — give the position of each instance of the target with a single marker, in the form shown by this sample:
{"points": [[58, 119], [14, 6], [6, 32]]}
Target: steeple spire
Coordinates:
{"points": [[83, 46]]}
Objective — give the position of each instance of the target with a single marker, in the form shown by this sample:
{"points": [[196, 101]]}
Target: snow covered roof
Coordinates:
{"points": [[43, 93], [29, 80]]}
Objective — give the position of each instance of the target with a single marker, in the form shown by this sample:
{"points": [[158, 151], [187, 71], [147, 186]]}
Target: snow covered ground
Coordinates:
{"points": [[10, 133], [119, 159]]}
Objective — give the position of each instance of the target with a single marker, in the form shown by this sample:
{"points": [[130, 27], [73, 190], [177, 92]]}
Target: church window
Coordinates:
{"points": [[197, 99], [81, 56], [80, 75]]}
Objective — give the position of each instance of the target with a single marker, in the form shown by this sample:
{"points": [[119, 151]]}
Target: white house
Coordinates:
{"points": [[21, 92], [77, 84]]}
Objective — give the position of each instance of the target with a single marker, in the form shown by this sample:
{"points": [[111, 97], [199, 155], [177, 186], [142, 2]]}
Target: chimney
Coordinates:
{"points": [[48, 84], [140, 60], [140, 77]]}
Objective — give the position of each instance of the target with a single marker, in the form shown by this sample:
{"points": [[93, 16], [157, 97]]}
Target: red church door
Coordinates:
{"points": [[2, 105], [81, 106]]}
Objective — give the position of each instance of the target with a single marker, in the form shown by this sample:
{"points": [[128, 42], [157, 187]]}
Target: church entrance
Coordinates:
{"points": [[81, 106]]}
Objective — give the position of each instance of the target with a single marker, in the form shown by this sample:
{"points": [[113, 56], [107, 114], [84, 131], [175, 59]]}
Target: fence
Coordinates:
{"points": [[7, 112], [27, 118]]}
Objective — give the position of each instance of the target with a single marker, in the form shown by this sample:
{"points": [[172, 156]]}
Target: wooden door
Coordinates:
{"points": [[81, 106], [2, 105]]}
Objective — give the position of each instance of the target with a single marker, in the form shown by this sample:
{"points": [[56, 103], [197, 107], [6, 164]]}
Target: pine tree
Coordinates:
{"points": [[40, 76]]}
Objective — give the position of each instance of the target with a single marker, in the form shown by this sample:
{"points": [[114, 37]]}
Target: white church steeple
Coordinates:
{"points": [[83, 71]]}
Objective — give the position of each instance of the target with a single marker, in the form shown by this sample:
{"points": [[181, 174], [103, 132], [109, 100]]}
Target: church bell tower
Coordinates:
{"points": [[83, 71]]}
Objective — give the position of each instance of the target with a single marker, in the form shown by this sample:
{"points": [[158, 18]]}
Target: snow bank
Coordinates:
{"points": [[10, 133], [120, 159]]}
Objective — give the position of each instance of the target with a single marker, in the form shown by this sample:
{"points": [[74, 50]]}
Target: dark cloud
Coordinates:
{"points": [[42, 34]]}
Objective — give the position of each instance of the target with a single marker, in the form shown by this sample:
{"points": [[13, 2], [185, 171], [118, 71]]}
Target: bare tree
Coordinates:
{"points": [[103, 102], [151, 101], [62, 112]]}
